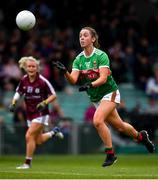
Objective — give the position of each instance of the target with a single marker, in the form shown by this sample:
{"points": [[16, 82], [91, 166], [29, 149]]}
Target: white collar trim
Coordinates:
{"points": [[90, 54]]}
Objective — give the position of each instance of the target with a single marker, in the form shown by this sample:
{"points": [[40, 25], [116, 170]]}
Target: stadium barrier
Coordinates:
{"points": [[79, 138]]}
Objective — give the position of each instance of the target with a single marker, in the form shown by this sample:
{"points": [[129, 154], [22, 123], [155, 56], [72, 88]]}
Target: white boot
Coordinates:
{"points": [[23, 166]]}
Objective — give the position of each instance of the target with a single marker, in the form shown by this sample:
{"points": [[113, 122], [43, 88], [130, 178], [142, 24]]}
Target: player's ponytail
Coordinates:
{"points": [[23, 61], [94, 34]]}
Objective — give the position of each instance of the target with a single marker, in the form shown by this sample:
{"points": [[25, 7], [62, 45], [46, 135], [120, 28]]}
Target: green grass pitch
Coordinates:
{"points": [[80, 167]]}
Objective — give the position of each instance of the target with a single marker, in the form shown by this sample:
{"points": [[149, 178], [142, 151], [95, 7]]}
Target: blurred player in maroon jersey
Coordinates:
{"points": [[38, 93]]}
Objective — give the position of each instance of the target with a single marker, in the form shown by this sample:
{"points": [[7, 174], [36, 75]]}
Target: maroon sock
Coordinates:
{"points": [[28, 161], [139, 137], [109, 151]]}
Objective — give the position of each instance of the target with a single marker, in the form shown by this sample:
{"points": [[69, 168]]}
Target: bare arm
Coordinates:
{"points": [[73, 77], [50, 99], [104, 71]]}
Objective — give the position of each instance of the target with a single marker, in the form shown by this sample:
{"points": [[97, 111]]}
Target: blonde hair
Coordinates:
{"points": [[93, 34], [23, 61]]}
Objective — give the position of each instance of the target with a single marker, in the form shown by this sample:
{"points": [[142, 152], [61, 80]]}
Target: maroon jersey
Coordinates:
{"points": [[34, 93]]}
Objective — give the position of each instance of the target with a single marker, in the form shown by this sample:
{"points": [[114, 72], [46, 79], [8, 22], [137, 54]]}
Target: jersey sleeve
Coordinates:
{"points": [[19, 88], [75, 65], [46, 85], [104, 60], [49, 88]]}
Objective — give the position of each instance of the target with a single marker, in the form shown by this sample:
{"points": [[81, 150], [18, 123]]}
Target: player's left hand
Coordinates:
{"points": [[41, 106], [60, 66], [85, 87]]}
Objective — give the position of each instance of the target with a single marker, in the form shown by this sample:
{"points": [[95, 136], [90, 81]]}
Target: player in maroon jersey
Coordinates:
{"points": [[38, 93]]}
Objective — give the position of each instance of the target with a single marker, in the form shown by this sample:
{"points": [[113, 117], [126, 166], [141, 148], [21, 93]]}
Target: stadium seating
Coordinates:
{"points": [[75, 104], [132, 95]]}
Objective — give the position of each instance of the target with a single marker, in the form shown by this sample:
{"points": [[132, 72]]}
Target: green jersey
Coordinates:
{"points": [[89, 72]]}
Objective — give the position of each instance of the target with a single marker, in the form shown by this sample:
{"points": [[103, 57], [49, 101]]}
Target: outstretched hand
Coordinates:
{"points": [[12, 107], [85, 87], [41, 106], [60, 66]]}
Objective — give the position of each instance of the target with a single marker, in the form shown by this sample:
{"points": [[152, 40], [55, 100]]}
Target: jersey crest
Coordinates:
{"points": [[29, 89], [37, 90], [95, 64]]}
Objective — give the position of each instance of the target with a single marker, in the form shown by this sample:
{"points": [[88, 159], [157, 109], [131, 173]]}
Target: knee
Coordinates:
{"points": [[97, 123], [28, 136]]}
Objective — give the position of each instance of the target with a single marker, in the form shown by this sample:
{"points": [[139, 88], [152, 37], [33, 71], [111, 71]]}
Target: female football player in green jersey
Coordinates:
{"points": [[92, 68]]}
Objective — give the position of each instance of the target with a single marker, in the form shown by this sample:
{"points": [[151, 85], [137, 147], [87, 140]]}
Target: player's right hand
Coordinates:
{"points": [[12, 107], [60, 66]]}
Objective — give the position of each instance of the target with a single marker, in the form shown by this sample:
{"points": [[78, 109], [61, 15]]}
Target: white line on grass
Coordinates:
{"points": [[77, 174]]}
